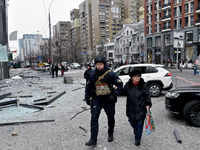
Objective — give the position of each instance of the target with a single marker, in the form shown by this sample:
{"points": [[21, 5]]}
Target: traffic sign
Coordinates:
{"points": [[39, 57]]}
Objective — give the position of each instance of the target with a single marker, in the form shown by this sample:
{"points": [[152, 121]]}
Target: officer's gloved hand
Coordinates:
{"points": [[87, 101], [112, 98]]}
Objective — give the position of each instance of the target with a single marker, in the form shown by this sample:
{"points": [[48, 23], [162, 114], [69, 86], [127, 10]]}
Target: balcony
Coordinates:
{"points": [[166, 6], [166, 18], [198, 10], [197, 23], [166, 28]]}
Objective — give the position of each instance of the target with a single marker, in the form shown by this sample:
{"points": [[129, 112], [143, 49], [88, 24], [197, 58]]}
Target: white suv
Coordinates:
{"points": [[156, 77]]}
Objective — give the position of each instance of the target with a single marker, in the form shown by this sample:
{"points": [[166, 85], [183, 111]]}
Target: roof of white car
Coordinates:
{"points": [[135, 65]]}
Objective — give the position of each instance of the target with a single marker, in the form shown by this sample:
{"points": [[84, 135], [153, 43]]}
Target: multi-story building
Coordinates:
{"points": [[74, 35], [161, 22], [61, 42], [30, 48], [129, 43], [109, 16]]}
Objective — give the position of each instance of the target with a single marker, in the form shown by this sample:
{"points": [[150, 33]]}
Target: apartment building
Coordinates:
{"points": [[161, 21], [108, 17], [61, 42]]}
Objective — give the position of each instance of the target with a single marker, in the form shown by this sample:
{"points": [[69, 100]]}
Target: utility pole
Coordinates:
{"points": [[4, 36], [50, 42]]}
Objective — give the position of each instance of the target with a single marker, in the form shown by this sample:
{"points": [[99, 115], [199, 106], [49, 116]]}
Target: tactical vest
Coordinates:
{"points": [[102, 88]]}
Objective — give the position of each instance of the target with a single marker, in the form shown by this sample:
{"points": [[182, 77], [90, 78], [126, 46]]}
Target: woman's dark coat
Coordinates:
{"points": [[138, 97]]}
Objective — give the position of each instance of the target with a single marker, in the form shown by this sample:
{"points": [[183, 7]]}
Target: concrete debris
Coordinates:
{"points": [[2, 96], [21, 96], [68, 80], [50, 100], [15, 102], [14, 133], [51, 92], [26, 122]]}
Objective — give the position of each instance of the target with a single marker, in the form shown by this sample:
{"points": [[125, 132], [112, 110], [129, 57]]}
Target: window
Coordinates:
{"points": [[142, 69], [110, 54], [155, 28], [156, 6], [192, 7], [159, 16], [175, 11], [127, 33], [113, 9], [186, 21], [147, 19], [192, 20], [156, 17], [159, 5], [147, 9], [147, 30], [101, 13], [138, 39], [141, 38], [159, 27], [175, 24], [186, 8], [123, 71]]}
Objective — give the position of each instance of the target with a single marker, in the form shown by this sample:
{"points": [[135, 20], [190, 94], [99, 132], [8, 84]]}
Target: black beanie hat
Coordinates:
{"points": [[135, 72]]}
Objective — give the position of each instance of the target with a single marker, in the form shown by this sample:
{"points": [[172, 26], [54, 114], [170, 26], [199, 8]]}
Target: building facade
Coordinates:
{"points": [[161, 23], [129, 43]]}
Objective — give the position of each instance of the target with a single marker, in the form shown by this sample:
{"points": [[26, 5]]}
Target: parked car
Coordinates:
{"points": [[185, 101], [75, 66], [156, 77]]}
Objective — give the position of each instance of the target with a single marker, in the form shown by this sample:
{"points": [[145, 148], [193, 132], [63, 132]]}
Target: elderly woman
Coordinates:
{"points": [[138, 100]]}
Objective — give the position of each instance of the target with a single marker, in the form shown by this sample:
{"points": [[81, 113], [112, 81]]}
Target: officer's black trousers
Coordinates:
{"points": [[96, 107]]}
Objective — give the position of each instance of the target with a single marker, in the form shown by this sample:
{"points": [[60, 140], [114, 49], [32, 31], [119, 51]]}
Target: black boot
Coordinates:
{"points": [[137, 143], [110, 137], [91, 143]]}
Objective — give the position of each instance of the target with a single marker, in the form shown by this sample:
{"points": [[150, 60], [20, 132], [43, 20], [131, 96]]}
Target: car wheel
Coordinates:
{"points": [[191, 112], [154, 89]]}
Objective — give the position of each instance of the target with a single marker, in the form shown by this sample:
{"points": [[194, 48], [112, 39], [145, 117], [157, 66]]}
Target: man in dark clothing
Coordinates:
{"points": [[56, 70], [88, 72], [100, 88], [52, 70], [138, 100]]}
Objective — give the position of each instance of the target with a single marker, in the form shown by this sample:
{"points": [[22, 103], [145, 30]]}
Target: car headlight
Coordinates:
{"points": [[172, 95]]}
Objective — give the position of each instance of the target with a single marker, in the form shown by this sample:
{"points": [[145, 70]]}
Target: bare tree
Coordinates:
{"points": [[76, 51]]}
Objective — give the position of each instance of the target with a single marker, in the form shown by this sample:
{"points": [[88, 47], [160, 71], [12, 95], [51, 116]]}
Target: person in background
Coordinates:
{"points": [[63, 69], [179, 62], [56, 70], [88, 72], [52, 71], [195, 67], [137, 103]]}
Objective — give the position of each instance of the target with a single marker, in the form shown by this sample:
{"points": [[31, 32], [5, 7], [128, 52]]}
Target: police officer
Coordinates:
{"points": [[88, 72], [100, 88]]}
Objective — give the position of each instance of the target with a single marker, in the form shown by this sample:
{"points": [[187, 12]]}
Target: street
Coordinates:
{"points": [[66, 134]]}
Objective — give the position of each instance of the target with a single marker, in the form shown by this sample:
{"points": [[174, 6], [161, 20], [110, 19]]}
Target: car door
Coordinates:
{"points": [[123, 74]]}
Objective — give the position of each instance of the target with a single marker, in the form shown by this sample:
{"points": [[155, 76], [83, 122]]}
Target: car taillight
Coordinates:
{"points": [[168, 74]]}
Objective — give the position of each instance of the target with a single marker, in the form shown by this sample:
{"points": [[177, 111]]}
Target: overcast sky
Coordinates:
{"points": [[29, 16]]}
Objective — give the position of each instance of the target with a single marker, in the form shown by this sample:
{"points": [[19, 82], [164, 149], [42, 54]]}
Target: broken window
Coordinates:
{"points": [[189, 37]]}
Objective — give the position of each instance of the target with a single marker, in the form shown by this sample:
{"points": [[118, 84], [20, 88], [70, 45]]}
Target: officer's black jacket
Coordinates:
{"points": [[138, 97], [111, 78], [87, 73]]}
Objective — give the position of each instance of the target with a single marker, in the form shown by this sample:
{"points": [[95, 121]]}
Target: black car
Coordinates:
{"points": [[185, 101]]}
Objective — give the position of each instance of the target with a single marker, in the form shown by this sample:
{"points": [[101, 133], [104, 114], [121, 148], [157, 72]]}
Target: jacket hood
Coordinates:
{"points": [[140, 84]]}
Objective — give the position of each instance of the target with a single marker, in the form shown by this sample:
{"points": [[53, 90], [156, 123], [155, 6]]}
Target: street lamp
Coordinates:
{"points": [[51, 50]]}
